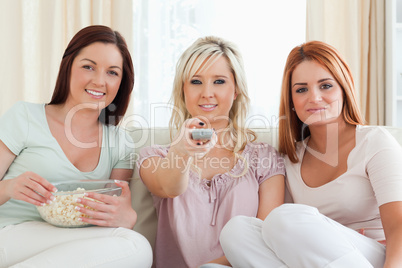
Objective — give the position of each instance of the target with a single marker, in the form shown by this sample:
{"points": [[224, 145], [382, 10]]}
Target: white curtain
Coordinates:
{"points": [[265, 32], [35, 34], [357, 29], [162, 30]]}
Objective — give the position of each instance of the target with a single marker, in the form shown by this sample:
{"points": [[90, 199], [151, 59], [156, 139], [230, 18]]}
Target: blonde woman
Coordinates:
{"points": [[199, 185], [345, 178]]}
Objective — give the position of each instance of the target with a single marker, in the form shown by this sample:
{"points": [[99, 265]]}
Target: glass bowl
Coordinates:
{"points": [[62, 213]]}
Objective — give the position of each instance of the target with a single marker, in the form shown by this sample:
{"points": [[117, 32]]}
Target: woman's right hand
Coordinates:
{"points": [[168, 177], [184, 145], [31, 188]]}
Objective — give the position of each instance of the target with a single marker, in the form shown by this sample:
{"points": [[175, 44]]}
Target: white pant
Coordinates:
{"points": [[295, 235], [38, 244]]}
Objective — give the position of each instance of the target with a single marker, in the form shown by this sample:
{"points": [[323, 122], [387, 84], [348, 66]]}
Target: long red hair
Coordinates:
{"points": [[291, 128]]}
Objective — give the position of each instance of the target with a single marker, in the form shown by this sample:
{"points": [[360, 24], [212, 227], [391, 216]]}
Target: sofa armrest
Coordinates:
{"points": [[142, 203]]}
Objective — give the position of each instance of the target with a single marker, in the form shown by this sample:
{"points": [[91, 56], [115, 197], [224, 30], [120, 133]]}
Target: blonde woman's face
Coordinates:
{"points": [[209, 94], [317, 96]]}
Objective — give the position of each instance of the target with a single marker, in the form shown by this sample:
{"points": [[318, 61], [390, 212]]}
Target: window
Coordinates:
{"points": [[264, 31]]}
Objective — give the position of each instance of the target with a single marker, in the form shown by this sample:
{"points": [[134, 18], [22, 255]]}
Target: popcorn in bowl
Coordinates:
{"points": [[62, 213]]}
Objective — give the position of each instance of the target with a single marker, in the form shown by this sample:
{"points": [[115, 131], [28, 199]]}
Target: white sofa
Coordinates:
{"points": [[141, 198]]}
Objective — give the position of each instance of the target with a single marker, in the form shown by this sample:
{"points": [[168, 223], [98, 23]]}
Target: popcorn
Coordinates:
{"points": [[61, 212]]}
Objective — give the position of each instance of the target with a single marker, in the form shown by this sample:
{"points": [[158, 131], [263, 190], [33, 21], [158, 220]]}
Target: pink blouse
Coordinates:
{"points": [[189, 225]]}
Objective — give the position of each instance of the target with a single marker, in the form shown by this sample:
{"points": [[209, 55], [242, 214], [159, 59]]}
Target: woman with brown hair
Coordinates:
{"points": [[345, 178], [74, 137]]}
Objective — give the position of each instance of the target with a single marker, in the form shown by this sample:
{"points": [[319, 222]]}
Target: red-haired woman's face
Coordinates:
{"points": [[96, 74], [317, 97]]}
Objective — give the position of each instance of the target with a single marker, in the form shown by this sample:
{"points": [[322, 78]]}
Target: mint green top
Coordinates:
{"points": [[25, 131]]}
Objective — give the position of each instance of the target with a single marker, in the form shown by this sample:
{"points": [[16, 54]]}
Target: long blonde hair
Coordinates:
{"points": [[291, 128], [201, 54]]}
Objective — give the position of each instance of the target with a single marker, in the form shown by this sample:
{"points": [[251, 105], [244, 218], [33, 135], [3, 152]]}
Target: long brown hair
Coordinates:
{"points": [[113, 113], [291, 128]]}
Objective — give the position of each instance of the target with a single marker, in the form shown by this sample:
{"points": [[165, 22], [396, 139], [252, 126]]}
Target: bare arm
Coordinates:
{"points": [[121, 174], [391, 217], [271, 195], [6, 158], [222, 260], [28, 187], [168, 176]]}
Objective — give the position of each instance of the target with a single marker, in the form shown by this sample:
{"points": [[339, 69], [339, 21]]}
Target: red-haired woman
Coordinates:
{"points": [[76, 136], [345, 178]]}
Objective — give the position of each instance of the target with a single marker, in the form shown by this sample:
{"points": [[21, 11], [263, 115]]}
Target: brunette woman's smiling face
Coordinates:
{"points": [[96, 74]]}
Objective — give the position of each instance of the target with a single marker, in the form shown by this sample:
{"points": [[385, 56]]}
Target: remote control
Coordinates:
{"points": [[202, 134]]}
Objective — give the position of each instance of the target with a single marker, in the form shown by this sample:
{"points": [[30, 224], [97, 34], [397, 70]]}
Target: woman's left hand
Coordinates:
{"points": [[109, 211]]}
